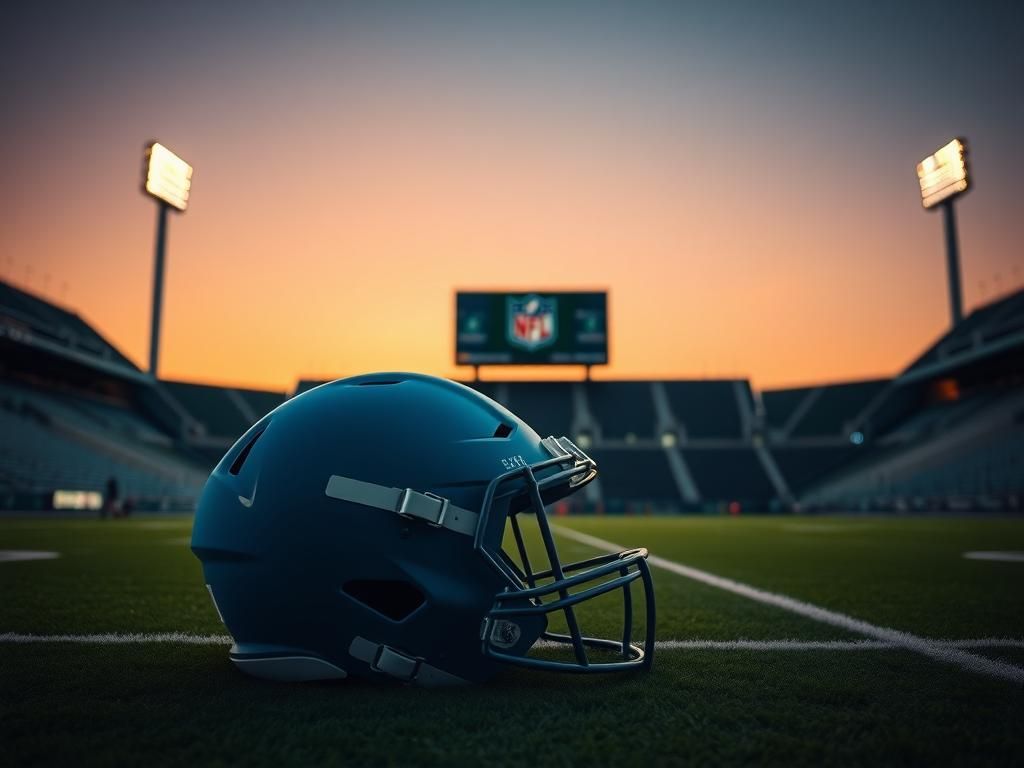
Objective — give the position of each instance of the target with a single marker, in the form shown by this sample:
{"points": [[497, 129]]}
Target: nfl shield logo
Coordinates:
{"points": [[532, 321]]}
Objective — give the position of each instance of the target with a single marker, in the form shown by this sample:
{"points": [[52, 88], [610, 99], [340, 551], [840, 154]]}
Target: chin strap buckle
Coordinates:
{"points": [[426, 506], [398, 665], [395, 664]]}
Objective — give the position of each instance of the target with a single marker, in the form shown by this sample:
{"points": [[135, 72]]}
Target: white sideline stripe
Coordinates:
{"points": [[19, 555], [1005, 557], [824, 645], [948, 654], [185, 638], [119, 638]]}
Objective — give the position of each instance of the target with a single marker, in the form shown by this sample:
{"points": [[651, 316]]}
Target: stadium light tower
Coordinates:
{"points": [[168, 179], [943, 177]]}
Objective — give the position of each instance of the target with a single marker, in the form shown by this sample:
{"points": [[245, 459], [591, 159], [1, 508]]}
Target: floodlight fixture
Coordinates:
{"points": [[943, 174], [168, 177]]}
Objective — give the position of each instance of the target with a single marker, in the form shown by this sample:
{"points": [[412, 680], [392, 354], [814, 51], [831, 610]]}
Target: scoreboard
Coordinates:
{"points": [[531, 328]]}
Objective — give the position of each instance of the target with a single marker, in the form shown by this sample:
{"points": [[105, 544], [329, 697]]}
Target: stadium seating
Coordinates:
{"points": [[74, 412], [210, 406], [781, 404], [984, 325], [993, 469], [803, 466], [968, 453], [937, 417], [729, 474], [622, 409], [836, 406], [635, 479], [49, 446], [706, 409]]}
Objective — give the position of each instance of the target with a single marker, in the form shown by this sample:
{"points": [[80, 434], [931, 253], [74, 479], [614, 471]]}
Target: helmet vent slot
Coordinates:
{"points": [[503, 430], [391, 598], [236, 465]]}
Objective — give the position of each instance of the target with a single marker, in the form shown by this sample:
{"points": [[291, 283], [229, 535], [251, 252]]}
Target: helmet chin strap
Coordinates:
{"points": [[405, 502], [400, 666]]}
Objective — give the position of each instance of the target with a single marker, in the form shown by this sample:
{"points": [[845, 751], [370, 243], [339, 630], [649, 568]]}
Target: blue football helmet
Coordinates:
{"points": [[358, 529]]}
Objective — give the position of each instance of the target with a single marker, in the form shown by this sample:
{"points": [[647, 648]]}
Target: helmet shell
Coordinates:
{"points": [[294, 571]]}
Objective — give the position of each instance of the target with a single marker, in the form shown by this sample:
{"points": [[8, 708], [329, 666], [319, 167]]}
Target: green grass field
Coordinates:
{"points": [[176, 703]]}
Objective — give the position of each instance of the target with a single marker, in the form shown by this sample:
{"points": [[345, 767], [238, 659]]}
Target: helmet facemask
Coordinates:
{"points": [[520, 612]]}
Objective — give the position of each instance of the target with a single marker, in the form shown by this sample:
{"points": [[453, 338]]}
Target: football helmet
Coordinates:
{"points": [[358, 529]]}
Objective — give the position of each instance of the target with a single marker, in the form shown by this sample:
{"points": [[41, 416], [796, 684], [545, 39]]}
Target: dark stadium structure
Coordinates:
{"points": [[76, 414], [946, 433]]}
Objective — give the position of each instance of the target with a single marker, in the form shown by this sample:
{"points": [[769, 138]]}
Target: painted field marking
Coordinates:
{"points": [[187, 638], [20, 555], [119, 638], [950, 655], [825, 645], [1002, 557]]}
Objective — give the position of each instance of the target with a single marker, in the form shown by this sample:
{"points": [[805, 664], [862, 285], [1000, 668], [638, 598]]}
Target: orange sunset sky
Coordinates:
{"points": [[741, 181]]}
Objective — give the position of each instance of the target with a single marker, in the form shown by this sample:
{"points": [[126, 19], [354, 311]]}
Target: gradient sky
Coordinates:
{"points": [[740, 176]]}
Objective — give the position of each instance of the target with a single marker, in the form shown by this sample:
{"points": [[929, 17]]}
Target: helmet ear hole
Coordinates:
{"points": [[393, 599]]}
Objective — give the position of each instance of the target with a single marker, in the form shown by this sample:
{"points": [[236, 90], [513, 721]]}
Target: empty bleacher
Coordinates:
{"points": [[836, 407], [50, 444], [781, 404], [803, 466], [938, 417], [729, 474], [74, 412], [955, 454], [635, 476], [705, 409], [209, 406], [989, 323], [83, 412], [623, 409], [994, 468]]}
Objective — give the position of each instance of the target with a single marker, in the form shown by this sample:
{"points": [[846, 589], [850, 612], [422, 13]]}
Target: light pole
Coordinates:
{"points": [[956, 309], [168, 179], [942, 177]]}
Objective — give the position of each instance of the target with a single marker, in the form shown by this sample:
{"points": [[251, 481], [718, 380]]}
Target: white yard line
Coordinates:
{"points": [[20, 555], [825, 645], [186, 638], [119, 638], [1005, 557], [948, 654]]}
